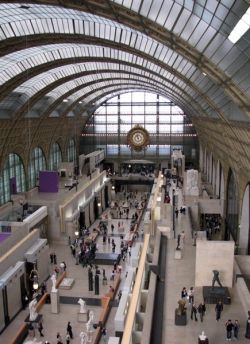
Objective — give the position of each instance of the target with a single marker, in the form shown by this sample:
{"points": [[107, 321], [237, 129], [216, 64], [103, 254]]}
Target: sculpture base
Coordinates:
{"points": [[55, 304], [177, 254], [180, 320], [203, 341], [67, 283], [38, 318], [83, 317], [216, 294]]}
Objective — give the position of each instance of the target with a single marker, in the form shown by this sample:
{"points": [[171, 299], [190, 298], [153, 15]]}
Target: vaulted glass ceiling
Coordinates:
{"points": [[178, 48]]}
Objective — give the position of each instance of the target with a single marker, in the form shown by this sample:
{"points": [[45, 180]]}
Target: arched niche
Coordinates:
{"points": [[55, 156], [71, 151], [37, 163], [13, 179], [244, 227], [232, 208]]}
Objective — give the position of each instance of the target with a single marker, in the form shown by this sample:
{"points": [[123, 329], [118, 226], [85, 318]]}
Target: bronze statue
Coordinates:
{"points": [[182, 307], [216, 278]]}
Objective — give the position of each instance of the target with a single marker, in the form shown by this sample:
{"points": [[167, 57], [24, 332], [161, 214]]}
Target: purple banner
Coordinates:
{"points": [[48, 181]]}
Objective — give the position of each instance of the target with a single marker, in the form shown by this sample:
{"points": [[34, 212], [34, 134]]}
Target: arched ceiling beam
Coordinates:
{"points": [[40, 39], [98, 74], [160, 34]]}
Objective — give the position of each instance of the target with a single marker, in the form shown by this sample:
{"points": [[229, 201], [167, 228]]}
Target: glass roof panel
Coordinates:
{"points": [[192, 20]]}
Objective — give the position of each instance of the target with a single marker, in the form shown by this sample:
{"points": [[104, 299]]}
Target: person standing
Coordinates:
{"points": [[59, 338], [229, 327], [54, 258], [51, 258], [191, 295], [184, 293], [236, 328], [202, 310], [218, 310], [40, 329], [67, 338], [194, 312], [104, 334], [69, 330]]}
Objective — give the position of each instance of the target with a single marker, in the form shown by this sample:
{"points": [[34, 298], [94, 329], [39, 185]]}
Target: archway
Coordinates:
{"points": [[232, 210], [244, 227]]}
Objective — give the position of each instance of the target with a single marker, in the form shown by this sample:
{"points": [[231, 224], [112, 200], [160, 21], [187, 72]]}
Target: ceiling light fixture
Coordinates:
{"points": [[241, 27], [205, 74], [65, 100]]}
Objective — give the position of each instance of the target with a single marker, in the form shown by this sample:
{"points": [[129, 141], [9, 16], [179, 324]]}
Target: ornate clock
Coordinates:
{"points": [[138, 138]]}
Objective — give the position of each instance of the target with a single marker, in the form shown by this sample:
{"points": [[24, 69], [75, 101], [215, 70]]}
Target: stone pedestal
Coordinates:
{"points": [[90, 336], [55, 304], [213, 295], [180, 319], [83, 317], [203, 341], [177, 254]]}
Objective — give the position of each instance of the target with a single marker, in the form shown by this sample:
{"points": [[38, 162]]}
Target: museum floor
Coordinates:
{"points": [[179, 273]]}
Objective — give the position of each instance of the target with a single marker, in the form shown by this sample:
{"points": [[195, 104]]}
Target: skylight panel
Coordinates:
{"points": [[6, 30], [240, 28]]}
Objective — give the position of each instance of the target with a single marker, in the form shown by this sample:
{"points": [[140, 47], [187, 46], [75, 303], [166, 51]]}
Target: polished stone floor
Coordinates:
{"points": [[179, 273]]}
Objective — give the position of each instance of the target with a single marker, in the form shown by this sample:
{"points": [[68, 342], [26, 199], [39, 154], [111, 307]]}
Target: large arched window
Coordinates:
{"points": [[71, 151], [13, 178], [232, 208], [37, 163], [168, 126], [55, 157]]}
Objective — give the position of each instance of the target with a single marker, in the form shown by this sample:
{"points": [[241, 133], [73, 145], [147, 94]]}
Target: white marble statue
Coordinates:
{"points": [[192, 187], [82, 304], [91, 316], [202, 336], [32, 309], [89, 324], [53, 279], [84, 338]]}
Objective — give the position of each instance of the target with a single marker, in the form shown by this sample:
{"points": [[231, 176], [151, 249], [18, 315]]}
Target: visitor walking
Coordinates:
{"points": [[194, 312], [218, 310], [191, 295], [201, 310], [69, 330], [59, 338], [67, 338], [236, 329], [229, 327]]}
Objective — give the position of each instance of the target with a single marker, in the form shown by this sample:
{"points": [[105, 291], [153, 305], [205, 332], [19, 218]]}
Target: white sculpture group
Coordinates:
{"points": [[83, 337], [32, 310], [82, 304], [192, 187], [53, 279], [89, 324]]}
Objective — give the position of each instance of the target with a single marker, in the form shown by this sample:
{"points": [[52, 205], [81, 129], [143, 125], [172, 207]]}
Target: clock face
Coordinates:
{"points": [[138, 138]]}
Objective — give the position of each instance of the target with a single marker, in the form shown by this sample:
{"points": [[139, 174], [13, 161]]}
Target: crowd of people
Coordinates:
{"points": [[198, 309]]}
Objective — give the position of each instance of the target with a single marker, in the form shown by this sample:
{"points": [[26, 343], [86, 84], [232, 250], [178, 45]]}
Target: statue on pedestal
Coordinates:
{"points": [[84, 338], [53, 279], [32, 310], [216, 278], [91, 316], [89, 324], [82, 304], [202, 339], [181, 307]]}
